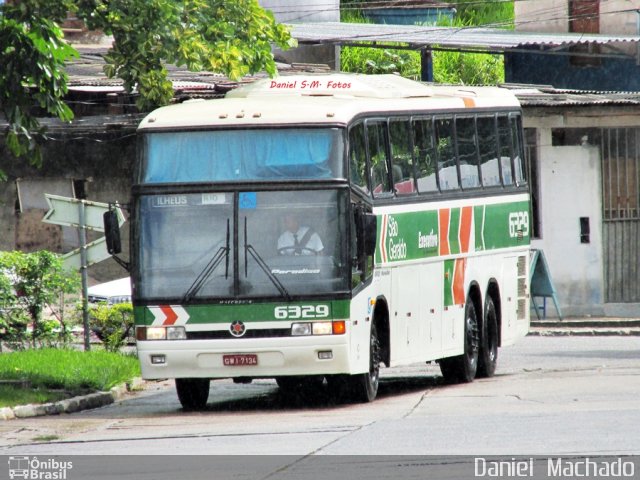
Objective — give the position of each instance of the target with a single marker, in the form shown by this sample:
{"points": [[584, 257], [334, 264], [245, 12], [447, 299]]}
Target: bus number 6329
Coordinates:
{"points": [[301, 311]]}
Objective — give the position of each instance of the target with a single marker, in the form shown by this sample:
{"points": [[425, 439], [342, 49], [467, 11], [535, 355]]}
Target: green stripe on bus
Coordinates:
{"points": [[416, 235], [449, 267], [454, 231], [259, 312], [478, 214], [505, 225]]}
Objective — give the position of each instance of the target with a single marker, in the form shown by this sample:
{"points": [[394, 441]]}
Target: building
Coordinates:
{"points": [[584, 149], [586, 65]]}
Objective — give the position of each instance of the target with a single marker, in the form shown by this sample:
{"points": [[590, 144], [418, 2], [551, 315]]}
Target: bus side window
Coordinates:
{"points": [[504, 137], [518, 159], [358, 157], [402, 168], [377, 140], [488, 143], [425, 155], [467, 151], [447, 166]]}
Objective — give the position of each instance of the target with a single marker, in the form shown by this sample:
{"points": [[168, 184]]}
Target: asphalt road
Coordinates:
{"points": [[550, 396]]}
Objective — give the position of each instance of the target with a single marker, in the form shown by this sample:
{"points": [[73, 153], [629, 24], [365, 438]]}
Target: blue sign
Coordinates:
{"points": [[248, 200]]}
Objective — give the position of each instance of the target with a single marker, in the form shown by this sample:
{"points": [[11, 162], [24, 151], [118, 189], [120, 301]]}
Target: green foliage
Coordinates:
{"points": [[468, 68], [112, 324], [13, 328], [487, 14], [473, 68], [233, 38], [30, 282], [10, 395], [377, 60], [32, 55], [71, 370], [448, 66]]}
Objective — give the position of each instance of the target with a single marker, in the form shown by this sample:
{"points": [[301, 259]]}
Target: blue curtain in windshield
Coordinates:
{"points": [[208, 156]]}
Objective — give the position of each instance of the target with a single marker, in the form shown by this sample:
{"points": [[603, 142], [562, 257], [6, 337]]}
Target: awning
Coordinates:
{"points": [[446, 38]]}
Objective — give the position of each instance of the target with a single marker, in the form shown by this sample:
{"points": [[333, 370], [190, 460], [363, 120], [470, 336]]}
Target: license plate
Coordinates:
{"points": [[239, 360]]}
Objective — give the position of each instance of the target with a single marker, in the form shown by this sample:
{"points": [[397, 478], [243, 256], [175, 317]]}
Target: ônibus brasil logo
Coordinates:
{"points": [[36, 469]]}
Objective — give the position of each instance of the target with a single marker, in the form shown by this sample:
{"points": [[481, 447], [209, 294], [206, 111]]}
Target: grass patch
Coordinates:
{"points": [[69, 370], [46, 438], [10, 395]]}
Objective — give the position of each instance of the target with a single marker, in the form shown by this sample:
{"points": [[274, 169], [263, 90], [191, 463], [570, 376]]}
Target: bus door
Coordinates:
{"points": [[431, 308], [409, 330]]}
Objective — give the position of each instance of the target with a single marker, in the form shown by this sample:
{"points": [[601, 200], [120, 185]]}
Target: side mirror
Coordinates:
{"points": [[112, 232]]}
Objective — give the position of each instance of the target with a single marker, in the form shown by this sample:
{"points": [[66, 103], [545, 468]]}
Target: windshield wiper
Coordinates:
{"points": [[262, 264], [221, 253]]}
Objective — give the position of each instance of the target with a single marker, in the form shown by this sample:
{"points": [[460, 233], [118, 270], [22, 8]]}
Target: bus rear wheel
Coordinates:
{"points": [[193, 393], [362, 387], [463, 368], [488, 358]]}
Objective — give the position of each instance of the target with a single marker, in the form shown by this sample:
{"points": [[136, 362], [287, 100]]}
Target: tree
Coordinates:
{"points": [[33, 281], [32, 55], [112, 324], [233, 38]]}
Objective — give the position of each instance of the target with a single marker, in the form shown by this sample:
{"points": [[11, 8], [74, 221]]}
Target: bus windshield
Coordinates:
{"points": [[240, 155], [221, 245]]}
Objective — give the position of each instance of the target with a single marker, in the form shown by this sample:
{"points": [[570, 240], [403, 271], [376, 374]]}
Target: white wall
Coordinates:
{"points": [[570, 188], [617, 17], [542, 16]]}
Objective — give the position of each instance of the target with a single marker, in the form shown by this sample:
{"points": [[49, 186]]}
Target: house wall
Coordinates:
{"points": [[101, 161], [541, 16], [570, 186], [617, 17], [570, 176], [613, 74]]}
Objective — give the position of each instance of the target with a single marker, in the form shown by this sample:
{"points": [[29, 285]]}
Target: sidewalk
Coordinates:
{"points": [[590, 326]]}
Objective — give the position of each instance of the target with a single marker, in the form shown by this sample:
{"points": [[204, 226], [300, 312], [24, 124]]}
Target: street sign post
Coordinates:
{"points": [[83, 215], [65, 211]]}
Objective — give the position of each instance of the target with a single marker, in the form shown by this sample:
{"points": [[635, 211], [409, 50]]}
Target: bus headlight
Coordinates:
{"points": [[300, 329], [318, 328], [161, 333], [322, 328]]}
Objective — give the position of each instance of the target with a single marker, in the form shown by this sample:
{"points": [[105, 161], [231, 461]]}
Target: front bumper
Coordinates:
{"points": [[276, 357]]}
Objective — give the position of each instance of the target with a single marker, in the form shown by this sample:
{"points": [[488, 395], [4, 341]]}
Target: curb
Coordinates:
{"points": [[71, 405], [583, 332], [586, 327]]}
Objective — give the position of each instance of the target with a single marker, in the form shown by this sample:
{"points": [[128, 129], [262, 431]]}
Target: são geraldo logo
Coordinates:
{"points": [[36, 469]]}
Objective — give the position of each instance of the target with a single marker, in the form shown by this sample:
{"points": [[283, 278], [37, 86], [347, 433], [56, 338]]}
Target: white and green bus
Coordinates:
{"points": [[405, 207]]}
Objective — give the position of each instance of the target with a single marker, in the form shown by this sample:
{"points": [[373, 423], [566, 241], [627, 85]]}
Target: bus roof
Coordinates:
{"points": [[323, 99]]}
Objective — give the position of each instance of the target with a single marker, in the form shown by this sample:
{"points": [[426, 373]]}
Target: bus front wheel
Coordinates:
{"points": [[361, 387], [463, 368], [193, 393]]}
